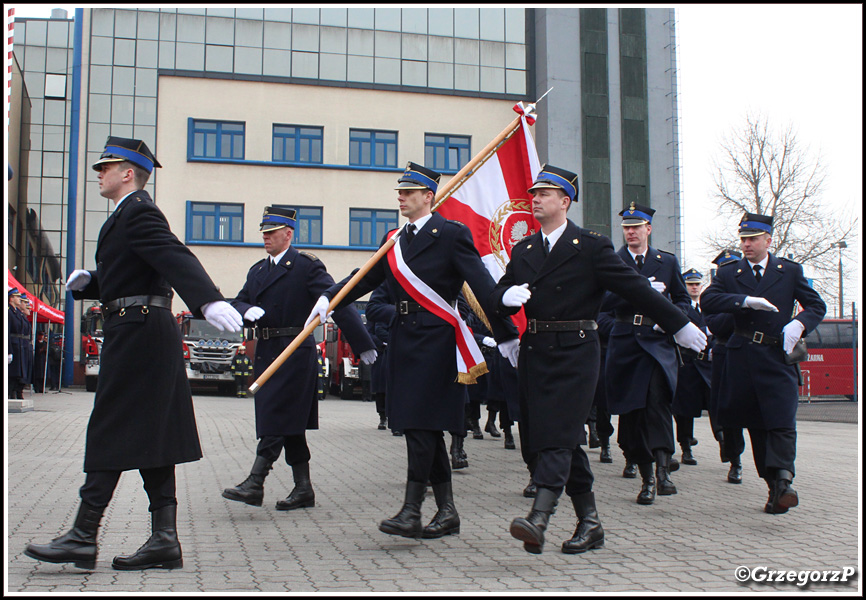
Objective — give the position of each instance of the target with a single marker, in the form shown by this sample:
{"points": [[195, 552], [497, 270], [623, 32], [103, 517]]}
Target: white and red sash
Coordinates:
{"points": [[470, 361]]}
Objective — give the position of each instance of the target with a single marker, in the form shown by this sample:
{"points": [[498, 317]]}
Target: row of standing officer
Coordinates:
{"points": [[20, 358]]}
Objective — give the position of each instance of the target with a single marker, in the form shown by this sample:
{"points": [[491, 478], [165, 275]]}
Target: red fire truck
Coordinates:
{"points": [[208, 352], [831, 366], [91, 344]]}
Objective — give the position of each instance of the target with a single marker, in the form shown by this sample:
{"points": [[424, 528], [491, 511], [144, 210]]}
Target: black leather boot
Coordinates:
{"points": [[491, 425], [302, 496], [407, 522], [458, 461], [647, 493], [530, 489], [630, 471], [594, 441], [589, 533], [476, 429], [509, 439], [664, 485], [446, 521], [770, 507], [78, 545], [383, 422], [688, 459], [785, 496], [531, 530], [252, 489], [162, 550], [604, 456], [735, 473]]}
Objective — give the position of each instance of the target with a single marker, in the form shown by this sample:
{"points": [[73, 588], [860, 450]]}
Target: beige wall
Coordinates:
{"points": [[260, 105]]}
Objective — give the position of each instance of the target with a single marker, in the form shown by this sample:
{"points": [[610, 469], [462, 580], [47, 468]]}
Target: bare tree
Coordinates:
{"points": [[769, 172]]}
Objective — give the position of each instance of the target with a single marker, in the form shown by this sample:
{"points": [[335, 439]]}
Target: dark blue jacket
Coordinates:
{"points": [[759, 389], [633, 350]]}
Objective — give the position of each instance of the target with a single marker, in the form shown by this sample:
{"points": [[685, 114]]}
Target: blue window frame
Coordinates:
{"points": [[309, 227], [211, 222], [298, 143], [370, 148], [368, 226], [217, 139], [445, 153]]}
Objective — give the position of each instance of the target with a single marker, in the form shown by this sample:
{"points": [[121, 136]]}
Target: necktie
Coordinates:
{"points": [[546, 246], [410, 233], [757, 269], [270, 263], [639, 260]]}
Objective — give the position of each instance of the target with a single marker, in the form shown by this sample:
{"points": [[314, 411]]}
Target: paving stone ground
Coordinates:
{"points": [[691, 542]]}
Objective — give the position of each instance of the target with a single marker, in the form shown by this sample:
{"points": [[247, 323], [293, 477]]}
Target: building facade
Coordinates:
{"points": [[320, 109]]}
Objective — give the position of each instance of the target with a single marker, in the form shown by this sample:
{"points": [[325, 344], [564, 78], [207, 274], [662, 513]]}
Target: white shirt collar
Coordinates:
{"points": [[763, 264], [276, 259], [554, 235], [124, 198], [421, 221], [634, 256]]}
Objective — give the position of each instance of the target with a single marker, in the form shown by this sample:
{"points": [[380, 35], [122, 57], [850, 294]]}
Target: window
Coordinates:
{"points": [[368, 226], [209, 222], [309, 227], [446, 152], [369, 148], [217, 139], [297, 143], [55, 86]]}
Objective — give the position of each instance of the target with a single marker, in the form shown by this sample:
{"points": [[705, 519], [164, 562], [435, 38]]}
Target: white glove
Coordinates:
{"points": [[691, 337], [319, 310], [510, 350], [254, 313], [658, 286], [791, 333], [756, 303], [78, 280], [368, 357], [658, 328], [516, 296], [489, 342], [222, 315]]}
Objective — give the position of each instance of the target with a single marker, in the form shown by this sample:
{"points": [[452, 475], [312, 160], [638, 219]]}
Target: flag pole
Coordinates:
{"points": [[442, 194]]}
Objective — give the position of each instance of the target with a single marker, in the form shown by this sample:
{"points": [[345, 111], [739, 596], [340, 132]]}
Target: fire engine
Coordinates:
{"points": [[208, 352], [345, 376], [91, 344]]}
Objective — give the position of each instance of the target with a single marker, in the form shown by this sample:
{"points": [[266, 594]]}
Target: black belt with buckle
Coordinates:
{"points": [[759, 337], [639, 320], [688, 352], [266, 333], [20, 336], [120, 304], [404, 307], [535, 326]]}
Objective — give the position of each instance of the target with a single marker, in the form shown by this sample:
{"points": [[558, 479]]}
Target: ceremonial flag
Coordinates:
{"points": [[494, 202]]}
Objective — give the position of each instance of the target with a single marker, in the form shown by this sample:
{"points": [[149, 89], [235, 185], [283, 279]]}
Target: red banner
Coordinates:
{"points": [[44, 313]]}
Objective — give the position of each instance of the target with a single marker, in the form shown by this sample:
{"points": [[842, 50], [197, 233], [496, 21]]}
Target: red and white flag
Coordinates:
{"points": [[494, 202]]}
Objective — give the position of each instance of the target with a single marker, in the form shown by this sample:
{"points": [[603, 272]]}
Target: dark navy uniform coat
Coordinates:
{"points": [[633, 350], [557, 371], [760, 390], [381, 313], [423, 392], [143, 414], [20, 348], [286, 404], [721, 325], [693, 380]]}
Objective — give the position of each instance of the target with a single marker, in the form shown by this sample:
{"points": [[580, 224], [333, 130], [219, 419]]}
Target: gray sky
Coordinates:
{"points": [[795, 63]]}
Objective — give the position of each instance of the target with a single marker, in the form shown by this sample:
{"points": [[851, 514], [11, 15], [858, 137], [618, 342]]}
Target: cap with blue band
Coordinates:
{"points": [[276, 217], [416, 177], [555, 177], [753, 224], [119, 149], [637, 214]]}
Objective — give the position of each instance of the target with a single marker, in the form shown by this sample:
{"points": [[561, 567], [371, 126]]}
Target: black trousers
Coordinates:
{"points": [[558, 468], [773, 449], [651, 428], [734, 441], [428, 457], [297, 451], [379, 397], [159, 483], [685, 429]]}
